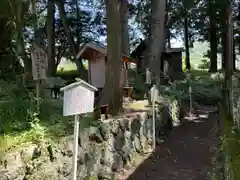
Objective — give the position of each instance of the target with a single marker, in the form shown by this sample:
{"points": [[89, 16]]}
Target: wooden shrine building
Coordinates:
{"points": [[96, 54], [171, 62]]}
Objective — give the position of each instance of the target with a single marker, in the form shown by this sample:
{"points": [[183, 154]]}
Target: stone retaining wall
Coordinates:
{"points": [[103, 150]]}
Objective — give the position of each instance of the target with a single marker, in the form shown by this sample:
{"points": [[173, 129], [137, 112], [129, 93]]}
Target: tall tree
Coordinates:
{"points": [[213, 35], [19, 22], [228, 47], [51, 38], [72, 44], [125, 35], [78, 22], [157, 37], [167, 26], [186, 41], [114, 62]]}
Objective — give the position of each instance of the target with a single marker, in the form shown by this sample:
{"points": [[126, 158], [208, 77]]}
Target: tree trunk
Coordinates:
{"points": [[168, 38], [21, 46], [167, 29], [223, 35], [186, 37], [157, 37], [234, 53], [111, 90], [213, 37], [72, 45], [228, 62], [78, 25], [51, 38], [223, 42], [125, 35]]}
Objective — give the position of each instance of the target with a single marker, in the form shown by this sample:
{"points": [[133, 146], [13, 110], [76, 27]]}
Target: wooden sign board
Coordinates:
{"points": [[39, 62], [78, 98]]}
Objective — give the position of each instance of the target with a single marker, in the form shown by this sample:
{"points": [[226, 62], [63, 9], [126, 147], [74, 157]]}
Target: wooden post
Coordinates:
{"points": [[38, 95], [34, 11], [190, 100]]}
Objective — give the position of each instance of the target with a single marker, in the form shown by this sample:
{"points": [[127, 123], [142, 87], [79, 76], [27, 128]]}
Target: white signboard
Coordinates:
{"points": [[148, 76], [154, 94], [39, 62], [78, 100]]}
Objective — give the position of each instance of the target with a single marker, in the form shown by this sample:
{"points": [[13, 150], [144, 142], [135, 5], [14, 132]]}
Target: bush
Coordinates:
{"points": [[138, 83], [206, 88], [15, 115], [205, 64], [69, 76]]}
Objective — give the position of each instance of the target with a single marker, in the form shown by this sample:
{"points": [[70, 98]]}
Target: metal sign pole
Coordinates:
{"points": [[75, 147]]}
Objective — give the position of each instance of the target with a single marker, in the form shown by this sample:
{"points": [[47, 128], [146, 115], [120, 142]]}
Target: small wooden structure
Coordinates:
{"points": [[96, 54], [171, 62]]}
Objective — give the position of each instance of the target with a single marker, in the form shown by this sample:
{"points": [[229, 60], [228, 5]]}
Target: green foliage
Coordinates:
{"points": [[205, 87], [15, 115], [205, 65], [68, 76], [230, 145], [137, 81], [13, 89], [184, 67], [15, 103], [19, 122]]}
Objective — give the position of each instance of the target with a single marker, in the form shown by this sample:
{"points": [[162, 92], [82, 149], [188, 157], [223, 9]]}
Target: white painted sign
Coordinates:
{"points": [[148, 76], [154, 94], [39, 62], [78, 98]]}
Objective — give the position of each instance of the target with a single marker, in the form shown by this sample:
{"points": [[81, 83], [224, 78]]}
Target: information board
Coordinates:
{"points": [[39, 62], [78, 100]]}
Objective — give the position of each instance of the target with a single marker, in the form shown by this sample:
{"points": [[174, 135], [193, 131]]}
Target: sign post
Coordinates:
{"points": [[154, 119], [39, 67], [190, 100], [154, 98], [78, 99], [75, 146], [149, 83]]}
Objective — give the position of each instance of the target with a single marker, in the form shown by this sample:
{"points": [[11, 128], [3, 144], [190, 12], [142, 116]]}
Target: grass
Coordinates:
{"points": [[49, 126], [230, 145], [19, 123]]}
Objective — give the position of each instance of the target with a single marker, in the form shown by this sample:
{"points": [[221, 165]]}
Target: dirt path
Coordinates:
{"points": [[185, 155]]}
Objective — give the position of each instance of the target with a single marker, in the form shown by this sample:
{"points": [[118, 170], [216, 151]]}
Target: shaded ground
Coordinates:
{"points": [[186, 154]]}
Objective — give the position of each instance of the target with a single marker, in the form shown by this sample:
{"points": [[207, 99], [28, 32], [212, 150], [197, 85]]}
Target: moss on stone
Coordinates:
{"points": [[231, 146]]}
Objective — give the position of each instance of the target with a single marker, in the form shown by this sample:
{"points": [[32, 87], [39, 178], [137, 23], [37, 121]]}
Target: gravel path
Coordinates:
{"points": [[186, 154]]}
